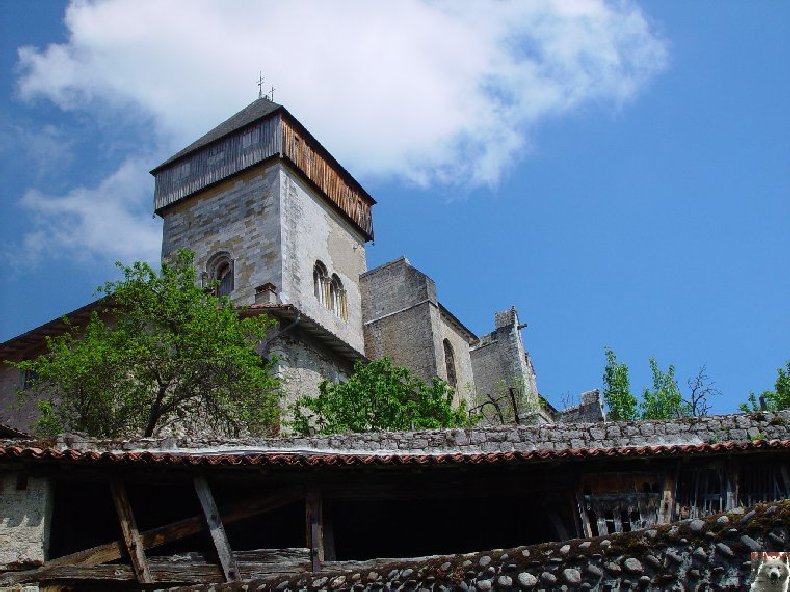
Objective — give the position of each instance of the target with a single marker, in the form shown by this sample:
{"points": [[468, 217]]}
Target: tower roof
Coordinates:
{"points": [[256, 110], [261, 131]]}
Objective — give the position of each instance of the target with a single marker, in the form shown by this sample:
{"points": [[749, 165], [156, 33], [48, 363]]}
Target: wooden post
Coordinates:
{"points": [[667, 510], [731, 485], [583, 512], [131, 536], [216, 529], [315, 529]]}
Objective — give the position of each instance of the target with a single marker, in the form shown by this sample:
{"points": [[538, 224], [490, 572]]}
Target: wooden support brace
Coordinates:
{"points": [[216, 529], [155, 537], [131, 536], [315, 529]]}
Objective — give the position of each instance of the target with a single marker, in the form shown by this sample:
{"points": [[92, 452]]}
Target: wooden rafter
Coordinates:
{"points": [[131, 536], [215, 527]]}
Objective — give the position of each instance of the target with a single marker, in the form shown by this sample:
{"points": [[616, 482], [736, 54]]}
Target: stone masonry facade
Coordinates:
{"points": [[25, 512]]}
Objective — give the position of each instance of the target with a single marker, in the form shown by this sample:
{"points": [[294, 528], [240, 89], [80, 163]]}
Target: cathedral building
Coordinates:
{"points": [[282, 227]]}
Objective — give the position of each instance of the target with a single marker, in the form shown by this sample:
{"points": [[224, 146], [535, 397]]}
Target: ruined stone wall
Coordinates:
{"points": [[499, 360], [312, 230], [589, 409], [710, 554], [240, 216], [25, 513], [718, 428]]}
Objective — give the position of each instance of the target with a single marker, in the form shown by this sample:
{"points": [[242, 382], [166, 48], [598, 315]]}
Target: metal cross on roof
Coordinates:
{"points": [[260, 84], [271, 96]]}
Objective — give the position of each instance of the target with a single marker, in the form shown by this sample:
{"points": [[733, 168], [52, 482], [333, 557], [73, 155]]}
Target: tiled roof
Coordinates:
{"points": [[300, 459]]}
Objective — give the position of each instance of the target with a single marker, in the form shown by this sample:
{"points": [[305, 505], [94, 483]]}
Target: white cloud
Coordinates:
{"points": [[105, 221], [441, 91]]}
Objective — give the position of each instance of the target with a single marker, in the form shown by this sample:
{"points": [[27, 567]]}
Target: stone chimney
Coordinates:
{"points": [[266, 294]]}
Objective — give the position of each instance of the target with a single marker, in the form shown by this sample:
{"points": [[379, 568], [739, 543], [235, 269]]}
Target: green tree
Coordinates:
{"points": [[780, 398], [170, 354], [664, 401], [378, 397], [775, 400], [616, 389]]}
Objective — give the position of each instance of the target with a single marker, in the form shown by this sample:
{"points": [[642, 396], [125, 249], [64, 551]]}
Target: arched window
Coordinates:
{"points": [[449, 362], [220, 269], [337, 298], [321, 283]]}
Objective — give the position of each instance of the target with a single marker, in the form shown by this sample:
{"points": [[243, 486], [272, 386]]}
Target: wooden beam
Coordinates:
{"points": [[156, 536], [217, 530], [583, 512], [131, 536], [315, 529], [667, 509], [731, 484]]}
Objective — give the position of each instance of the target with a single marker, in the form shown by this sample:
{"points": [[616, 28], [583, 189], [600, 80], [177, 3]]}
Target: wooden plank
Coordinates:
{"points": [[156, 536], [215, 527], [192, 568], [667, 509], [587, 528], [731, 485], [131, 536], [315, 529]]}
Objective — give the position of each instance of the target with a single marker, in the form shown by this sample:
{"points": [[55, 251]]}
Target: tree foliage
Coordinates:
{"points": [[775, 400], [170, 355], [664, 400], [378, 397], [616, 389]]}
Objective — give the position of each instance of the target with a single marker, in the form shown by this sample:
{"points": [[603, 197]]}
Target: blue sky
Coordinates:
{"points": [[619, 172]]}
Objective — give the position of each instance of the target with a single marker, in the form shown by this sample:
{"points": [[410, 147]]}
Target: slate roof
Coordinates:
{"points": [[307, 459], [256, 110]]}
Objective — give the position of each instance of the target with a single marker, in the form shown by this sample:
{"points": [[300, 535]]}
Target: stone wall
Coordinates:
{"points": [[16, 412], [240, 216], [590, 408], [719, 428], [400, 316], [465, 387], [312, 230], [25, 512], [500, 362], [710, 554], [302, 364]]}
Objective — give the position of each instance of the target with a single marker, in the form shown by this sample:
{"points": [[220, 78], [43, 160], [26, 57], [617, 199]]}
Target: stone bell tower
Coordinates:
{"points": [[268, 211]]}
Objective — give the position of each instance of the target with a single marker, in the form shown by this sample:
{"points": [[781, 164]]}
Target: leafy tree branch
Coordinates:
{"points": [[163, 354]]}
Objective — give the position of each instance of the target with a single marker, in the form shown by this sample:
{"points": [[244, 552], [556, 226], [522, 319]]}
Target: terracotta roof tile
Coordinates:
{"points": [[307, 459]]}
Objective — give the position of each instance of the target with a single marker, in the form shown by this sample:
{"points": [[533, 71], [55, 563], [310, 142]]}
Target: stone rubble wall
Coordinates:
{"points": [[722, 428], [710, 554]]}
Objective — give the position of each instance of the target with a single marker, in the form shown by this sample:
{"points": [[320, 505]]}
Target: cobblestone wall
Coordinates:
{"points": [[711, 554], [721, 428]]}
